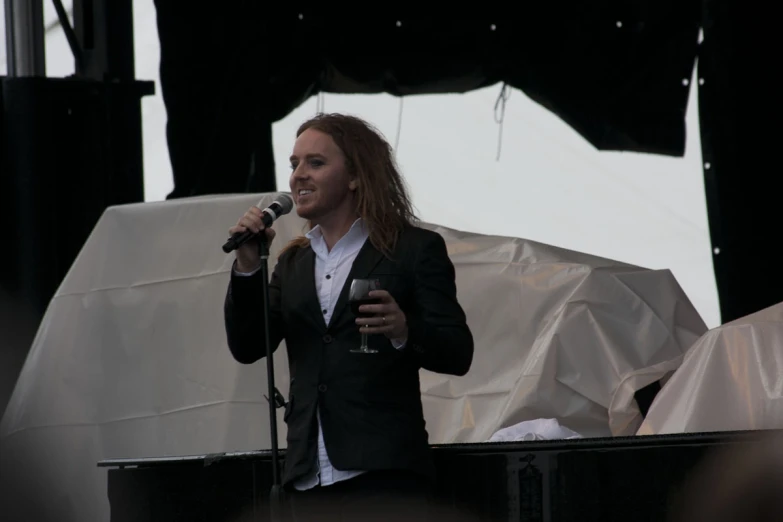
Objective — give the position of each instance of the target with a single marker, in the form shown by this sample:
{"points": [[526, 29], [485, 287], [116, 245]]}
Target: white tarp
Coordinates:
{"points": [[131, 357], [730, 380]]}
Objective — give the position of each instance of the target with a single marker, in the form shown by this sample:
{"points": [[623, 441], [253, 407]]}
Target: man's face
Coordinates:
{"points": [[320, 183]]}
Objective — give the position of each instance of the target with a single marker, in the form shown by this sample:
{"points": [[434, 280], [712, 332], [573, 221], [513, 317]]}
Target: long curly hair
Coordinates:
{"points": [[382, 199]]}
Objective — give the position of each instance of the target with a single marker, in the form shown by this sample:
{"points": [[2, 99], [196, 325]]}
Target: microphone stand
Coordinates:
{"points": [[275, 398]]}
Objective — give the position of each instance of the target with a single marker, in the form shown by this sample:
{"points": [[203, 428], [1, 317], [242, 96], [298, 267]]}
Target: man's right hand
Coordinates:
{"points": [[247, 255]]}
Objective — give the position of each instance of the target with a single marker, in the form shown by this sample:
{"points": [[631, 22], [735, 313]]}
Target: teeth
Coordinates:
{"points": [[303, 192]]}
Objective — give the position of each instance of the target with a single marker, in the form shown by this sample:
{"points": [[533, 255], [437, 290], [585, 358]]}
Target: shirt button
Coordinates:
{"points": [[321, 388], [324, 311], [328, 276], [327, 338]]}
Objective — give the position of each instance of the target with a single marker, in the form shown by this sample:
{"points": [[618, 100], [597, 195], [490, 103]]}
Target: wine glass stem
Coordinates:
{"points": [[364, 341]]}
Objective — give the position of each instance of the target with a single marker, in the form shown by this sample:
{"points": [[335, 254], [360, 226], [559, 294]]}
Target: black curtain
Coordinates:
{"points": [[739, 110], [616, 71], [214, 86], [613, 70]]}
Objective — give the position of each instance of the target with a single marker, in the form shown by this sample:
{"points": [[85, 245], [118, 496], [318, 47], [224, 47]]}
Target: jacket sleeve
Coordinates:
{"points": [[438, 334], [243, 313]]}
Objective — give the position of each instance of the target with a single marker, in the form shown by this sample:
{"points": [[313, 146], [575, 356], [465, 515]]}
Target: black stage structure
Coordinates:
{"points": [[620, 479], [616, 71]]}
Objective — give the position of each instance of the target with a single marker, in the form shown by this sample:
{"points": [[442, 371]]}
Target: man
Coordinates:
{"points": [[357, 443]]}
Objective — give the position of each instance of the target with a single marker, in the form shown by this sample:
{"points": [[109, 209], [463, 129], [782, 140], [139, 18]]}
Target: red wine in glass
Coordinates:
{"points": [[359, 302], [360, 295]]}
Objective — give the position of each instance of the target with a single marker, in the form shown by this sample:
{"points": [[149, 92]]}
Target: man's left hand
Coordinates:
{"points": [[389, 319]]}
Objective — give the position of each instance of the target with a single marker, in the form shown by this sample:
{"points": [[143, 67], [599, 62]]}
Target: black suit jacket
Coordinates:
{"points": [[370, 404]]}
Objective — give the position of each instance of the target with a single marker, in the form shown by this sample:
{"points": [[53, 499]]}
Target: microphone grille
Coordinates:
{"points": [[286, 203], [283, 201]]}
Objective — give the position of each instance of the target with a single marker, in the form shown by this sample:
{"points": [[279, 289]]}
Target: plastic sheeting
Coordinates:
{"points": [[730, 380], [131, 357]]}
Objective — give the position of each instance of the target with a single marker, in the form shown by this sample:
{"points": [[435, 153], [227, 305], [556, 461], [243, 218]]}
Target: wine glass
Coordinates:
{"points": [[360, 295]]}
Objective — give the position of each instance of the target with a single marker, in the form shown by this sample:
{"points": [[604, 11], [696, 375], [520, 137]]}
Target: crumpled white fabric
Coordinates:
{"points": [[537, 429], [131, 360], [730, 380]]}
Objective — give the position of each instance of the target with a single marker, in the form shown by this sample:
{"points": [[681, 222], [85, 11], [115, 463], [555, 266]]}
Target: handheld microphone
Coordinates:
{"points": [[279, 207]]}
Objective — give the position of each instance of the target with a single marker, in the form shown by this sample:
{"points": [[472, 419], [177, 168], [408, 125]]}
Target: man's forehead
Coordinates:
{"points": [[314, 142]]}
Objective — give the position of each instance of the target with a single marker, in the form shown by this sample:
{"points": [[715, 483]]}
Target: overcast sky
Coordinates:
{"points": [[549, 185]]}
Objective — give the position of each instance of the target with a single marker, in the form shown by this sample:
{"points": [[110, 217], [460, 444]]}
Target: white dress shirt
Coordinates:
{"points": [[331, 271]]}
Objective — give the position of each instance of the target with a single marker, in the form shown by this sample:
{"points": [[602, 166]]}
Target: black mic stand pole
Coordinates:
{"points": [[276, 493]]}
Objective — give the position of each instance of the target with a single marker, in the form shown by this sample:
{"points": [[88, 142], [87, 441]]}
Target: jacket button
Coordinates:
{"points": [[321, 388], [327, 338]]}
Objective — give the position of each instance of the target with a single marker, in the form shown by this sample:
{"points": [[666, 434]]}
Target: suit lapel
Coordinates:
{"points": [[306, 274], [366, 260]]}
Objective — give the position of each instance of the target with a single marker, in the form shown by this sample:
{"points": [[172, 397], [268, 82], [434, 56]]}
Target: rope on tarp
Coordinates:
{"points": [[500, 114], [399, 128]]}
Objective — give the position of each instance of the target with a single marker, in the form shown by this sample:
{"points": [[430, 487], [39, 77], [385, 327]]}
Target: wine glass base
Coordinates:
{"points": [[363, 350]]}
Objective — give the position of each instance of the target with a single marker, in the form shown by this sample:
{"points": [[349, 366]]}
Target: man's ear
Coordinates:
{"points": [[353, 184]]}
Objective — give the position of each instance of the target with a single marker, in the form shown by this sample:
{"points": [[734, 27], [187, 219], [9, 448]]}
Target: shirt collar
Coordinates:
{"points": [[357, 231]]}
